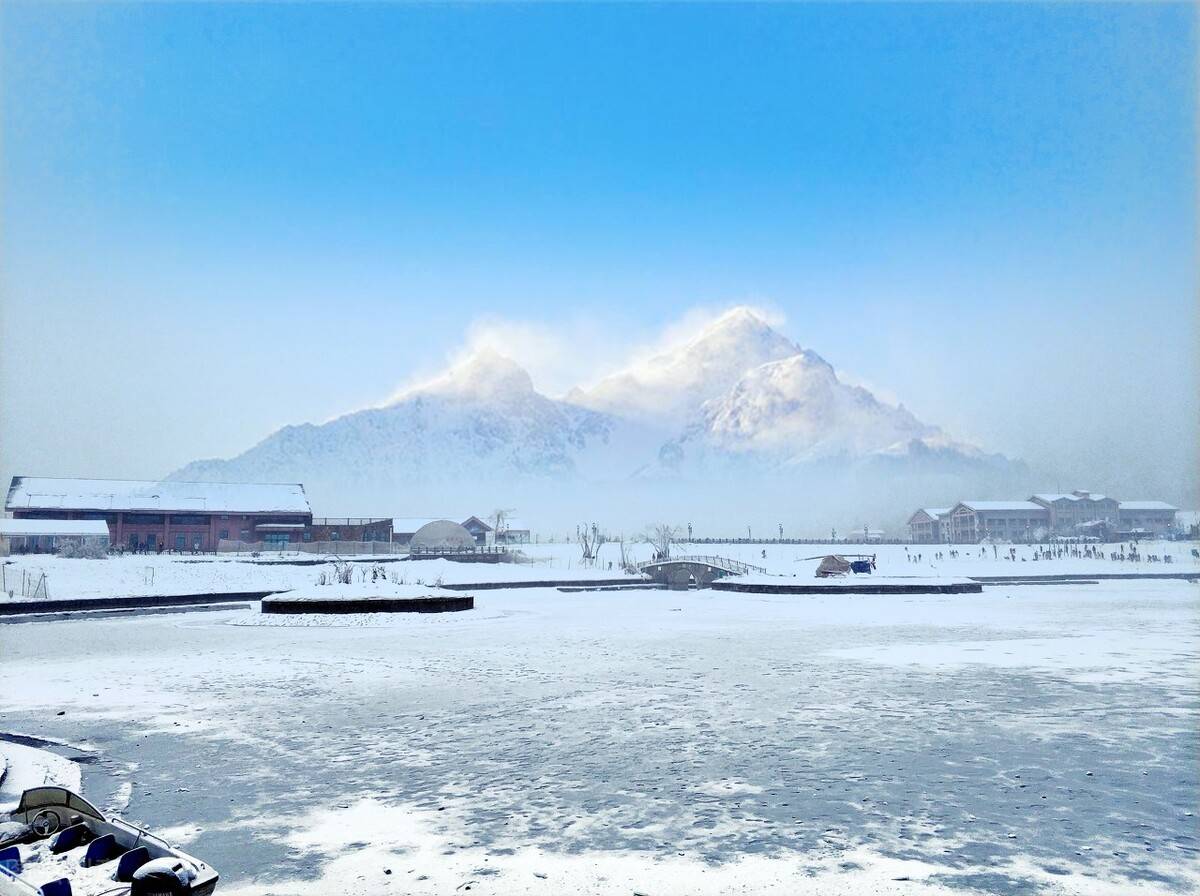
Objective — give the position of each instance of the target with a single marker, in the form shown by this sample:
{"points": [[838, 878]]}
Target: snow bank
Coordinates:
{"points": [[847, 582], [381, 589], [27, 767]]}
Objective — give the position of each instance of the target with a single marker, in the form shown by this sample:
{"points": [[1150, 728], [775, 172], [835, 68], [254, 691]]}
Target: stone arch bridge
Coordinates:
{"points": [[682, 572]]}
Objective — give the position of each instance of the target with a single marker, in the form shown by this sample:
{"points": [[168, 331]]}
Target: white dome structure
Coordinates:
{"points": [[442, 535]]}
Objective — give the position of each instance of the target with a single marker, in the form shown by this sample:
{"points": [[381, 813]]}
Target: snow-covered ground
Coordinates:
{"points": [[1021, 740], [128, 575], [167, 574]]}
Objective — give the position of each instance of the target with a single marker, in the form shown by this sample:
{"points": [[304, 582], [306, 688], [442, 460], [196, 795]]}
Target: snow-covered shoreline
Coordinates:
{"points": [[23, 767], [137, 575]]}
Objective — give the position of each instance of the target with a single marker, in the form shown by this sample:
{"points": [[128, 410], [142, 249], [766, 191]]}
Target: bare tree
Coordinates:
{"points": [[590, 539], [499, 520], [661, 536]]}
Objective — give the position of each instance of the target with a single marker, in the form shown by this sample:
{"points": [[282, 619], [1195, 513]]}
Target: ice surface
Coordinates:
{"points": [[1027, 739]]}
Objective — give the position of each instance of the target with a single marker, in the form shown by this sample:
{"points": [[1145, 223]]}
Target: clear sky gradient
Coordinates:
{"points": [[218, 219]]}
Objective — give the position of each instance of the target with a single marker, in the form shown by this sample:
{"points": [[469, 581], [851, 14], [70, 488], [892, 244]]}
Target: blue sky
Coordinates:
{"points": [[220, 219]]}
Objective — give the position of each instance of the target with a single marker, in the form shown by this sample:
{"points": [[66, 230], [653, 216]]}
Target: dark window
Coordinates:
{"points": [[224, 534], [193, 519], [145, 519], [245, 535], [308, 536], [180, 542]]}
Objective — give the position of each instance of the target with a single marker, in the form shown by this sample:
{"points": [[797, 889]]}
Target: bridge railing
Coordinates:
{"points": [[726, 563]]}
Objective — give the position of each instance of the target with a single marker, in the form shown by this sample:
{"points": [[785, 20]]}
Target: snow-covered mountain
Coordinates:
{"points": [[669, 388], [796, 411], [482, 418], [737, 397]]}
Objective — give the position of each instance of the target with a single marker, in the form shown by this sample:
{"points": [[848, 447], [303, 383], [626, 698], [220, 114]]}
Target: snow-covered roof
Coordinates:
{"points": [[514, 525], [53, 527], [1001, 505], [1146, 505], [934, 513], [1052, 498], [38, 493]]}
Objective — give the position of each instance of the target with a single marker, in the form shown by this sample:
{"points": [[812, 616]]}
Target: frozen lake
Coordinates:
{"points": [[1026, 740]]}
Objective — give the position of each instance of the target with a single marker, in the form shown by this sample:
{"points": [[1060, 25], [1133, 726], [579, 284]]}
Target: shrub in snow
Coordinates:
{"points": [[88, 549], [341, 574]]}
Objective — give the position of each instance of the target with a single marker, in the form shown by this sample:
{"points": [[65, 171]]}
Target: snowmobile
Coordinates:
{"points": [[56, 843]]}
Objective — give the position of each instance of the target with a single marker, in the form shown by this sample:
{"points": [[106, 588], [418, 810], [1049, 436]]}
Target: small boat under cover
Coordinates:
{"points": [[56, 843]]}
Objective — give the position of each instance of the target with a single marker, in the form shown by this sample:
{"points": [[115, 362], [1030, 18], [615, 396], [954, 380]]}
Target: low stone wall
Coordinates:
{"points": [[369, 605], [20, 607], [1091, 576], [557, 583], [850, 587]]}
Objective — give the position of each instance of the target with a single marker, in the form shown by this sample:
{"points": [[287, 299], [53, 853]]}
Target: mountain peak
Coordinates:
{"points": [[739, 318], [671, 386], [797, 407], [740, 336], [484, 374]]}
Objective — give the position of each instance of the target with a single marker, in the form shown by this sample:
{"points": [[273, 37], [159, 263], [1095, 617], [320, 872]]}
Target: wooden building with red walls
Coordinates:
{"points": [[179, 516]]}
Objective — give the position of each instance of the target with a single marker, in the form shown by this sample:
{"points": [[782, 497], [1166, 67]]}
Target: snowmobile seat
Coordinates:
{"points": [[101, 850], [60, 887], [131, 862], [69, 838], [10, 860]]}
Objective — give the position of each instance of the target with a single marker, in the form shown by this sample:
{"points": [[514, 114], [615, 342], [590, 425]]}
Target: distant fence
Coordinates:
{"points": [[341, 548], [477, 551]]}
